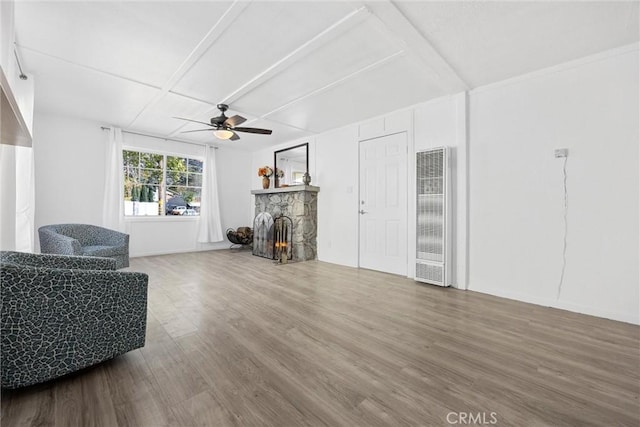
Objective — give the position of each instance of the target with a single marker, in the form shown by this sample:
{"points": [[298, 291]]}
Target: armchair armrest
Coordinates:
{"points": [[115, 238], [52, 242], [58, 261]]}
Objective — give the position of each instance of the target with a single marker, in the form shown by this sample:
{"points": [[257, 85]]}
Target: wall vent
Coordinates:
{"points": [[431, 216]]}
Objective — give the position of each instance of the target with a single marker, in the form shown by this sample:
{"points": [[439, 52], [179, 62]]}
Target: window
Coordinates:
{"points": [[160, 184]]}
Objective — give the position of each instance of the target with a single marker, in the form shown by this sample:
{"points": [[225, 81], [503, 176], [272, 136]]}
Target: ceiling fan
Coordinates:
{"points": [[224, 127]]}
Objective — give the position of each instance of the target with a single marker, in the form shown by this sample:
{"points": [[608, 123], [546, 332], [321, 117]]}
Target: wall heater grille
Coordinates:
{"points": [[431, 216]]}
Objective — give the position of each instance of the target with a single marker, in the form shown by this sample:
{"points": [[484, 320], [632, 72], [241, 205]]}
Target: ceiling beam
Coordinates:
{"points": [[226, 20], [349, 21], [353, 75], [431, 61], [85, 67]]}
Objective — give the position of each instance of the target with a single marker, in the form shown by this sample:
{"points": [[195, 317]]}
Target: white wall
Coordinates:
{"points": [[69, 164], [235, 179], [70, 173], [7, 36], [337, 176], [516, 193]]}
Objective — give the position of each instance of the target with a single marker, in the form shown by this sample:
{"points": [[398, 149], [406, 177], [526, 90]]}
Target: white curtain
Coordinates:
{"points": [[17, 198], [113, 204], [25, 199], [210, 229]]}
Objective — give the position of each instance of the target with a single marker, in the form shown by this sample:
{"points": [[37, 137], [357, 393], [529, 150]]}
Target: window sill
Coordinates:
{"points": [[158, 218]]}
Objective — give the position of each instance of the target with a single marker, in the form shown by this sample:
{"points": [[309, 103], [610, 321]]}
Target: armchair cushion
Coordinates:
{"points": [[101, 251]]}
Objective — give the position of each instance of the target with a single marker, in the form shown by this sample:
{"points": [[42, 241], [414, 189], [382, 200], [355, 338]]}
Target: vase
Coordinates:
{"points": [[306, 178], [266, 182]]}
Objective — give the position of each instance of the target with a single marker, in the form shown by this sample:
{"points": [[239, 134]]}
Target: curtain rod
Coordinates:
{"points": [[161, 137]]}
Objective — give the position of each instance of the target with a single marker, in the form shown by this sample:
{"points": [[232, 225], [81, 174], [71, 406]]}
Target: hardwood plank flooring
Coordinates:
{"points": [[234, 340]]}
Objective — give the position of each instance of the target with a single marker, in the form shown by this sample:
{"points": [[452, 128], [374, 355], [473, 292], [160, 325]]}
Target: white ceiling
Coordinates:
{"points": [[298, 68]]}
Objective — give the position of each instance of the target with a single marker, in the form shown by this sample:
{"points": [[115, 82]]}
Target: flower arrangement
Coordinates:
{"points": [[279, 173], [265, 171]]}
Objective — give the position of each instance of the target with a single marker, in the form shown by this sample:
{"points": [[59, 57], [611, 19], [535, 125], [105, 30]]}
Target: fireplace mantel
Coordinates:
{"points": [[300, 204], [287, 189]]}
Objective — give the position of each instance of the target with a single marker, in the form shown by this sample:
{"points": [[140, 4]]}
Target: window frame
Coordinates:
{"points": [[165, 154]]}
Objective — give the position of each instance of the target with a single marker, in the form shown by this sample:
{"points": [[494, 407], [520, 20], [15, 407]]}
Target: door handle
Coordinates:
{"points": [[362, 212]]}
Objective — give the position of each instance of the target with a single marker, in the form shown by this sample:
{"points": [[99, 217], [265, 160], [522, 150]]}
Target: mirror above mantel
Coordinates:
{"points": [[294, 164]]}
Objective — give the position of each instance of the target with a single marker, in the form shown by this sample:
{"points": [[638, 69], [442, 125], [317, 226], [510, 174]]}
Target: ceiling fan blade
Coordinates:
{"points": [[235, 137], [254, 130], [198, 130], [234, 121], [194, 121]]}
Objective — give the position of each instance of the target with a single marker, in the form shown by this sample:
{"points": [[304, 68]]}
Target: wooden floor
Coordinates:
{"points": [[235, 340]]}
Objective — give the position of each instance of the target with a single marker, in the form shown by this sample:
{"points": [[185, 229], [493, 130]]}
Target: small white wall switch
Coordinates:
{"points": [[561, 152]]}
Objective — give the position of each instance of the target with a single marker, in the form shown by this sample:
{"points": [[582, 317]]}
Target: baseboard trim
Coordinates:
{"points": [[633, 318], [181, 251]]}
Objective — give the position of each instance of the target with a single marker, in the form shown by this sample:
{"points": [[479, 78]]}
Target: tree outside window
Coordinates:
{"points": [[160, 184]]}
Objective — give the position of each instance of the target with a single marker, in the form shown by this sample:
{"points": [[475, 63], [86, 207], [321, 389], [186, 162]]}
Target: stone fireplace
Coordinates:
{"points": [[300, 203]]}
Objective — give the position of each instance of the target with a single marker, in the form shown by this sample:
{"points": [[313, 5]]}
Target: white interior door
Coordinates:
{"points": [[383, 204]]}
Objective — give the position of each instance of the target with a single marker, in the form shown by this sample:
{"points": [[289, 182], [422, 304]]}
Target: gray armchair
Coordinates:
{"points": [[86, 240], [63, 313]]}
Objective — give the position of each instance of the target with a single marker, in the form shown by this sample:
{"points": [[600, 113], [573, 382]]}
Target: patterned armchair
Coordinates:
{"points": [[63, 313], [85, 239]]}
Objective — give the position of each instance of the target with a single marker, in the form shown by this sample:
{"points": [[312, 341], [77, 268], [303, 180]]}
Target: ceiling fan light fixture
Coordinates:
{"points": [[223, 133], [224, 127]]}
